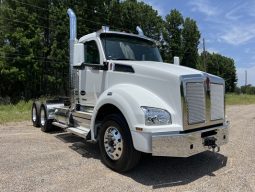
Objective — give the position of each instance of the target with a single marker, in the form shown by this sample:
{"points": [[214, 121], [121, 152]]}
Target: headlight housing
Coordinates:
{"points": [[156, 116]]}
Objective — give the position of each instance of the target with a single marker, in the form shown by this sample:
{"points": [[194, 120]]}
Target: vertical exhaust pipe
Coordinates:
{"points": [[72, 40], [73, 24]]}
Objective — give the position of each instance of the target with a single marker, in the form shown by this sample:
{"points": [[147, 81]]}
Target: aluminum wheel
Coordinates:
{"points": [[113, 143], [43, 116], [34, 114]]}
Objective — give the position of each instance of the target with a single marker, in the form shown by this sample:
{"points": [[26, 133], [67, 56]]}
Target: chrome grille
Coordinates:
{"points": [[217, 101], [195, 98]]}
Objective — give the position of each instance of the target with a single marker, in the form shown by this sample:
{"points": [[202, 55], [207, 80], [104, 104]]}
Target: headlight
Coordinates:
{"points": [[156, 116]]}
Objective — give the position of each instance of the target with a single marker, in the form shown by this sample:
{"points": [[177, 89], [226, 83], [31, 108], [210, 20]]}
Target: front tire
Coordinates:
{"points": [[35, 117], [45, 123], [116, 146]]}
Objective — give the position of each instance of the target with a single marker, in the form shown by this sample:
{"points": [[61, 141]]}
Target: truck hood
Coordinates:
{"points": [[175, 70]]}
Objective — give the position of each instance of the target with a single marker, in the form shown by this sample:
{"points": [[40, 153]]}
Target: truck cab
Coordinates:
{"points": [[124, 97], [109, 49]]}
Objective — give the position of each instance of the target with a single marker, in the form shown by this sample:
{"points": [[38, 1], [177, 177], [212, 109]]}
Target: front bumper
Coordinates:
{"points": [[187, 144]]}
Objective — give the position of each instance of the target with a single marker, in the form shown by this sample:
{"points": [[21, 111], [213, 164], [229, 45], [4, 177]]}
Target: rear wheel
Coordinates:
{"points": [[116, 146], [45, 123], [35, 114]]}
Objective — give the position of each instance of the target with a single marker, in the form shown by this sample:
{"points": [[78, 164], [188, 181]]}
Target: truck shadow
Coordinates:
{"points": [[79, 145], [158, 172]]}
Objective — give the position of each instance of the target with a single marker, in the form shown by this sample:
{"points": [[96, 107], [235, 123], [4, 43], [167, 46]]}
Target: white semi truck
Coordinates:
{"points": [[124, 97]]}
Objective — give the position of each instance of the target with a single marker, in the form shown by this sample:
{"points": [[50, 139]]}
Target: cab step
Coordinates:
{"points": [[61, 125], [80, 131]]}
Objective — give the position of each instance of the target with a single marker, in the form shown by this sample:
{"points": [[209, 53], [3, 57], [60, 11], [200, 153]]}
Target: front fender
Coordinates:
{"points": [[129, 98]]}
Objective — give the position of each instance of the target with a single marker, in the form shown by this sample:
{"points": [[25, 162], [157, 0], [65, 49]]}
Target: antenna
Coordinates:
{"points": [[204, 54]]}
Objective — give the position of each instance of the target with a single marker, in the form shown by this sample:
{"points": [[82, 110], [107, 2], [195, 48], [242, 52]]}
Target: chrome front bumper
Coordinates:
{"points": [[187, 144]]}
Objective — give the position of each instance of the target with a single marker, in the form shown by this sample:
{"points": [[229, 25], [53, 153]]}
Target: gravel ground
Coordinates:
{"points": [[31, 160]]}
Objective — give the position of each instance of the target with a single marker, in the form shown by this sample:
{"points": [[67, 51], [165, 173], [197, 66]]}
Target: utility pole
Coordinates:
{"points": [[204, 54], [245, 77]]}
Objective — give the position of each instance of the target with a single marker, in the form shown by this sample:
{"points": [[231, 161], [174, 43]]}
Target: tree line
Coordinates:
{"points": [[245, 89], [34, 41]]}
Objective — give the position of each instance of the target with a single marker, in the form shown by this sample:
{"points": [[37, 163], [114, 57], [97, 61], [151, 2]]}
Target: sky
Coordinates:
{"points": [[228, 28]]}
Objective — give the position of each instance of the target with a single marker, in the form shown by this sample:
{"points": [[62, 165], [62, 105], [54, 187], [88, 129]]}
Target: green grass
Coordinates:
{"points": [[234, 99], [15, 113], [22, 110]]}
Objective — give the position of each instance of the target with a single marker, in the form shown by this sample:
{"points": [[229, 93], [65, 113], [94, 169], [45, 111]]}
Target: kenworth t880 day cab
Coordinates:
{"points": [[124, 97]]}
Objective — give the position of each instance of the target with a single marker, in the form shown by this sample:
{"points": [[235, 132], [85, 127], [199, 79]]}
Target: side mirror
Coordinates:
{"points": [[78, 55]]}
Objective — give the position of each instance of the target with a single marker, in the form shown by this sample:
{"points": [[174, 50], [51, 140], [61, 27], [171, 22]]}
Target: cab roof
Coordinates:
{"points": [[98, 33]]}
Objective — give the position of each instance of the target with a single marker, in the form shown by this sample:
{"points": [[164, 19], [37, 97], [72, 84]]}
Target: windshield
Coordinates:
{"points": [[124, 47]]}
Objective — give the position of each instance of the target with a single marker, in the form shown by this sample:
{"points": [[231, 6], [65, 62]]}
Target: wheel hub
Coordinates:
{"points": [[113, 143], [43, 117]]}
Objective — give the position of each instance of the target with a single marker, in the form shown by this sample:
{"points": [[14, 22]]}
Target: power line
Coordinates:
{"points": [[9, 9], [38, 7], [17, 54], [45, 9], [31, 5], [47, 61], [29, 23], [115, 27], [45, 17]]}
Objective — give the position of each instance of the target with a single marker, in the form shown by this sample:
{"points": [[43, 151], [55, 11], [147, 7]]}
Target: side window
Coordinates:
{"points": [[91, 53]]}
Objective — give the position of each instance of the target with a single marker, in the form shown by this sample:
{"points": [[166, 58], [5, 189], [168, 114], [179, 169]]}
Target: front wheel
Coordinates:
{"points": [[45, 123], [35, 114], [116, 146]]}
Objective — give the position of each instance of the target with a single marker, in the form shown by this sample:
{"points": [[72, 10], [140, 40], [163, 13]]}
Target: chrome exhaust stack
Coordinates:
{"points": [[72, 41], [139, 30]]}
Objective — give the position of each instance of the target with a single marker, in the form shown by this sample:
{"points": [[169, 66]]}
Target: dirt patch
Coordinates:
{"points": [[31, 160]]}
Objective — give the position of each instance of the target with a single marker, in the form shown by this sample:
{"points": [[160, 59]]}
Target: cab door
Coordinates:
{"points": [[91, 79]]}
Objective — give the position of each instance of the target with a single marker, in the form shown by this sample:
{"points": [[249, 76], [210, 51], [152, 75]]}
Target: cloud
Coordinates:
{"points": [[156, 6], [251, 9], [236, 35], [203, 6], [247, 50], [230, 24], [236, 12]]}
